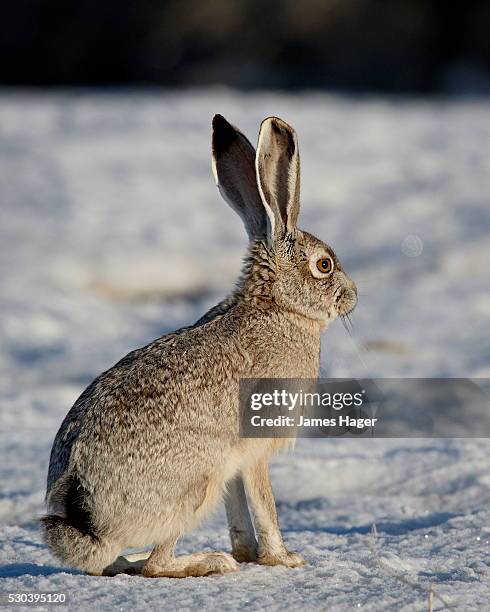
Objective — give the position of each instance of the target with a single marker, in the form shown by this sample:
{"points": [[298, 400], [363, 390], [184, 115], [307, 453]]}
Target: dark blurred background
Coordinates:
{"points": [[355, 45]]}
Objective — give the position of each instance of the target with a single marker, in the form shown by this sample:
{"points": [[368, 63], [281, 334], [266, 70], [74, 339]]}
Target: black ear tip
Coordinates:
{"points": [[223, 134], [219, 121]]}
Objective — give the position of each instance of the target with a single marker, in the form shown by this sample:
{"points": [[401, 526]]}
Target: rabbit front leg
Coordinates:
{"points": [[242, 535], [271, 549]]}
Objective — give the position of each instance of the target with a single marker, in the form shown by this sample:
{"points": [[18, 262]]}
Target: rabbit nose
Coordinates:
{"points": [[351, 288], [351, 284], [347, 299]]}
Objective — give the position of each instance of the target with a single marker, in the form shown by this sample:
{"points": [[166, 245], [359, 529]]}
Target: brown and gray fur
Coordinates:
{"points": [[152, 445]]}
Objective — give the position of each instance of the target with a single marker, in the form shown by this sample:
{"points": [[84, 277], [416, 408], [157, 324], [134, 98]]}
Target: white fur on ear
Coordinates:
{"points": [[278, 175], [263, 146]]}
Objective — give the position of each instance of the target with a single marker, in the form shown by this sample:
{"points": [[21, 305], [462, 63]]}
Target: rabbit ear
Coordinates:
{"points": [[277, 167], [233, 160]]}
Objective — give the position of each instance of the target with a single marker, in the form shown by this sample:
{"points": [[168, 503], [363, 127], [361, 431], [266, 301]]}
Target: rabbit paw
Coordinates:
{"points": [[245, 554], [284, 557], [197, 564]]}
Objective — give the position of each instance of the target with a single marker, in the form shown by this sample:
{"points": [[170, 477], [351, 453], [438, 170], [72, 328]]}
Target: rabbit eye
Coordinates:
{"points": [[325, 265]]}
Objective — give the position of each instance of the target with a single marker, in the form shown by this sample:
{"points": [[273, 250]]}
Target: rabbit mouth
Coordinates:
{"points": [[346, 301]]}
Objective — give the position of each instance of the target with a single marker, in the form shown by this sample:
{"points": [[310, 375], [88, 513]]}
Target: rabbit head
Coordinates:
{"points": [[288, 266]]}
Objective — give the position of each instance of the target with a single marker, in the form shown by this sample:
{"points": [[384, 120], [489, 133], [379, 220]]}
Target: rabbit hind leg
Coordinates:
{"points": [[162, 563]]}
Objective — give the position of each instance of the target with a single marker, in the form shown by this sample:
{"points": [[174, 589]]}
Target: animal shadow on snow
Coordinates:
{"points": [[315, 506], [16, 570]]}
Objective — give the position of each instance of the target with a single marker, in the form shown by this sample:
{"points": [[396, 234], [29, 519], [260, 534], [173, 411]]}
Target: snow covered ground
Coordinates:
{"points": [[112, 233]]}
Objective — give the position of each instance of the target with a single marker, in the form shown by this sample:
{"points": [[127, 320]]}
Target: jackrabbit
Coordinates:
{"points": [[152, 444]]}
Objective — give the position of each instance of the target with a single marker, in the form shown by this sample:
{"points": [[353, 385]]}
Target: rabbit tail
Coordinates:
{"points": [[77, 548], [72, 537]]}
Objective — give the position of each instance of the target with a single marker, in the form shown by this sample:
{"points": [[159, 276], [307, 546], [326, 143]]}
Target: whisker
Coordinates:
{"points": [[359, 348], [346, 327]]}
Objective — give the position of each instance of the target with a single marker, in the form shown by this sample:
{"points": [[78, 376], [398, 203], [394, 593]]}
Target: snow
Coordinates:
{"points": [[112, 233]]}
